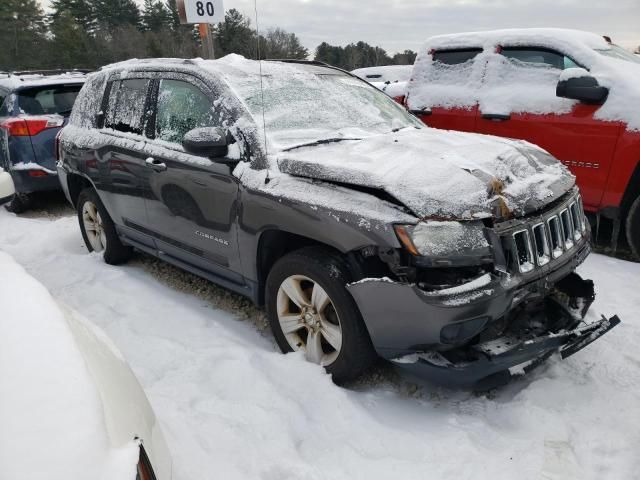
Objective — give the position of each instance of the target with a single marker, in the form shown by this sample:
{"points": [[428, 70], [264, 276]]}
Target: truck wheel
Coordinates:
{"points": [[20, 203], [310, 310], [98, 230], [633, 227]]}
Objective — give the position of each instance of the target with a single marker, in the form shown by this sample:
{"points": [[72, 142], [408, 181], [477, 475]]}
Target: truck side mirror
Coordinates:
{"points": [[7, 190], [584, 88], [212, 142]]}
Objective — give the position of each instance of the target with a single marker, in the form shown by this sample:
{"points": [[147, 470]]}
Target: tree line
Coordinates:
{"points": [[91, 33]]}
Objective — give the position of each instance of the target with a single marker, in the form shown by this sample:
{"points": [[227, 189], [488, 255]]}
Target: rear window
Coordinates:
{"points": [[126, 106], [48, 100], [455, 57]]}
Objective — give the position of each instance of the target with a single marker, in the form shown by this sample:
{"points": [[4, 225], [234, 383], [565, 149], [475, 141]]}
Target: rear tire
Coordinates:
{"points": [[633, 227], [98, 230], [328, 326], [20, 203]]}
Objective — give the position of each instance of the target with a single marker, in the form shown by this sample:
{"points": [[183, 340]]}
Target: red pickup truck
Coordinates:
{"points": [[575, 94]]}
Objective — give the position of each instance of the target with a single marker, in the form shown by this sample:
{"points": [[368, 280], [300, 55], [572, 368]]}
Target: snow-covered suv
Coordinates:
{"points": [[305, 188], [573, 93]]}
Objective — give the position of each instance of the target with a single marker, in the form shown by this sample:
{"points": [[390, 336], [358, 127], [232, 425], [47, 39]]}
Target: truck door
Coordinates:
{"points": [[443, 89], [518, 100]]}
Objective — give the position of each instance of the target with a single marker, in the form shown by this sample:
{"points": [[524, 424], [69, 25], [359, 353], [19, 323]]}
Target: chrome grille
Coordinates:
{"points": [[549, 236]]}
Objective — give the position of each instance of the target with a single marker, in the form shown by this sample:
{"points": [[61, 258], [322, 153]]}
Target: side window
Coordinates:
{"points": [[541, 56], [446, 78], [181, 107], [455, 57], [126, 105]]}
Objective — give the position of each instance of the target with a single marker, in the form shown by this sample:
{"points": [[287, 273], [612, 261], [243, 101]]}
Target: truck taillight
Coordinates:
{"points": [[58, 152], [28, 127]]}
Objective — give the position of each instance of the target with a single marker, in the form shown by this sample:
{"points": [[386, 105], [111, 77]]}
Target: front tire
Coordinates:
{"points": [[633, 227], [98, 230], [310, 310]]}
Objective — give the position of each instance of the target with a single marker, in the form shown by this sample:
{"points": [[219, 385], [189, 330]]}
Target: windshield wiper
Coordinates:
{"points": [[320, 142]]}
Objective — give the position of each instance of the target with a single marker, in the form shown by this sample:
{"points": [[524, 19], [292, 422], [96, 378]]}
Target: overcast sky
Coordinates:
{"points": [[399, 24]]}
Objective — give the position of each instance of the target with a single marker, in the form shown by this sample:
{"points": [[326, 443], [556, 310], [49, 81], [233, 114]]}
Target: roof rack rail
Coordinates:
{"points": [[296, 60], [60, 71]]}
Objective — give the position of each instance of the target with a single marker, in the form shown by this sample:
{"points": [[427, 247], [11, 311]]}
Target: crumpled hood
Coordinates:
{"points": [[440, 174]]}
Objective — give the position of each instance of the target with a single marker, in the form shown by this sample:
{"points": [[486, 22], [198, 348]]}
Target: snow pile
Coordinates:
{"points": [[230, 403], [503, 86], [51, 417], [437, 173]]}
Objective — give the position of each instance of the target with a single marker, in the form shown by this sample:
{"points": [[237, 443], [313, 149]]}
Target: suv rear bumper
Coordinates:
{"points": [[25, 183]]}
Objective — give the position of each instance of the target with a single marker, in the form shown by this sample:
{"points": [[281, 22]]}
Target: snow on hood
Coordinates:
{"points": [[440, 174], [51, 416]]}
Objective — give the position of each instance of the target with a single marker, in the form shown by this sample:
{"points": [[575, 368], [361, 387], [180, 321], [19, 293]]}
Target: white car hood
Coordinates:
{"points": [[439, 174]]}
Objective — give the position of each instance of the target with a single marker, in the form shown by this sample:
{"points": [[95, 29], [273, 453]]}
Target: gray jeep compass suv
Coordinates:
{"points": [[362, 231]]}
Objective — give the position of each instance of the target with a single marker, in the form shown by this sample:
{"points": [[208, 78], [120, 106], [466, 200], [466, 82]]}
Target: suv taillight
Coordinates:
{"points": [[28, 127]]}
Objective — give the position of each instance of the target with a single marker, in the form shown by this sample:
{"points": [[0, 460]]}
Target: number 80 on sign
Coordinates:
{"points": [[201, 11]]}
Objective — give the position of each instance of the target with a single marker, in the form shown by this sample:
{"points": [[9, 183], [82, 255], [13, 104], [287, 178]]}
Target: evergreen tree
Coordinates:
{"points": [[278, 43], [235, 35], [71, 46], [22, 34], [114, 14], [83, 11], [156, 17]]}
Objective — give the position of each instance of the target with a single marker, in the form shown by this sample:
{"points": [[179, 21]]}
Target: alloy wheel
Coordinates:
{"points": [[309, 320], [94, 227]]}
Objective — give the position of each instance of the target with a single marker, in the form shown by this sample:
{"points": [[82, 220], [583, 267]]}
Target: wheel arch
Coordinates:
{"points": [[274, 244], [76, 183], [631, 192]]}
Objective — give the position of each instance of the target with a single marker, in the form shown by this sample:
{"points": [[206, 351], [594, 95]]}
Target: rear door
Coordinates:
{"points": [[193, 201], [118, 166], [443, 88], [518, 100]]}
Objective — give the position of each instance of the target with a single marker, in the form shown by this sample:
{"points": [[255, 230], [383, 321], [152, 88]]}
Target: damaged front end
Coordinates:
{"points": [[501, 305]]}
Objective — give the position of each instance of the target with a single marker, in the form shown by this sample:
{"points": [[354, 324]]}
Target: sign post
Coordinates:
{"points": [[204, 13]]}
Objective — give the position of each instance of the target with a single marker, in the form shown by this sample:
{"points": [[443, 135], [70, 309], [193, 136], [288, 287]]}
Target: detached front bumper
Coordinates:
{"points": [[498, 360], [465, 338]]}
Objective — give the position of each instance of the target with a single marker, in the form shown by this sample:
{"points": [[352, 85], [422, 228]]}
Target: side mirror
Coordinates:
{"points": [[7, 189], [581, 86], [212, 142]]}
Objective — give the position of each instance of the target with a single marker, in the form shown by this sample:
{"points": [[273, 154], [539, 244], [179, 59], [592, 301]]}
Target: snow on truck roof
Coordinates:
{"points": [[517, 36]]}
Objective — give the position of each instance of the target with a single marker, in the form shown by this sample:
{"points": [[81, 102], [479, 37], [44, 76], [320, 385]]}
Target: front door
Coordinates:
{"points": [[518, 100], [193, 201]]}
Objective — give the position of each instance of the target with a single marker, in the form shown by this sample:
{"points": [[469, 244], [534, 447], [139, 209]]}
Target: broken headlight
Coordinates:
{"points": [[444, 239]]}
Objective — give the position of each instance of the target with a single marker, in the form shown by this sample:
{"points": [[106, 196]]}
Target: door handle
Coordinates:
{"points": [[423, 112], [157, 165], [496, 117]]}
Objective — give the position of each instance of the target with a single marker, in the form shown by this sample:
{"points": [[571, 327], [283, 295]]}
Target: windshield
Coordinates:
{"points": [[58, 99], [620, 53], [302, 108]]}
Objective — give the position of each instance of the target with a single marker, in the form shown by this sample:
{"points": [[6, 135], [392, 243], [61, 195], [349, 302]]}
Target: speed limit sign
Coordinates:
{"points": [[201, 11]]}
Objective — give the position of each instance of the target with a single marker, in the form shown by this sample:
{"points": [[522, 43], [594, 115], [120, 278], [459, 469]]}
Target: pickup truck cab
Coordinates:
{"points": [[575, 94], [363, 232]]}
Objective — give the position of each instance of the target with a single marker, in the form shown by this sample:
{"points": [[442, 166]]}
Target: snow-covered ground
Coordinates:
{"points": [[232, 407]]}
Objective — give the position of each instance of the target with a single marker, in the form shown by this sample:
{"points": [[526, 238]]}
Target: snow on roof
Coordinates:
{"points": [[12, 81], [51, 412], [517, 36]]}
